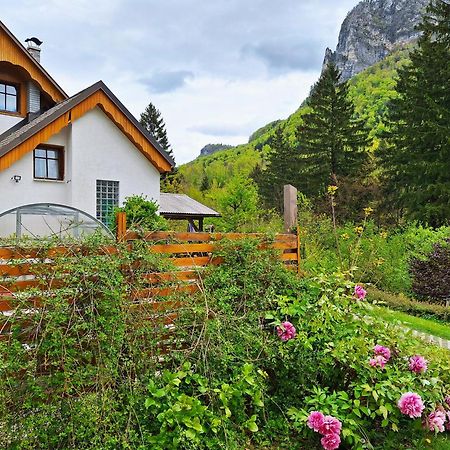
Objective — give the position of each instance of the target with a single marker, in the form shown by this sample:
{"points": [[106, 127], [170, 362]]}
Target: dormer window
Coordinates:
{"points": [[8, 97]]}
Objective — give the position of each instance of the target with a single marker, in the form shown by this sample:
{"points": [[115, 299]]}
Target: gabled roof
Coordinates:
{"points": [[28, 134], [178, 206], [14, 52]]}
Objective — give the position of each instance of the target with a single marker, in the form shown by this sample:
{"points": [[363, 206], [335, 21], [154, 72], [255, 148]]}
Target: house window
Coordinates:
{"points": [[8, 97], [107, 200], [49, 163]]}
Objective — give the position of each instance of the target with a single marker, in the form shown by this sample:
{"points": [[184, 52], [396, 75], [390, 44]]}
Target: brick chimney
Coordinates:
{"points": [[34, 48]]}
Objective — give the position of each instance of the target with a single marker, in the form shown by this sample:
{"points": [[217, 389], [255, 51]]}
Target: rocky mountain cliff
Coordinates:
{"points": [[372, 30], [209, 149]]}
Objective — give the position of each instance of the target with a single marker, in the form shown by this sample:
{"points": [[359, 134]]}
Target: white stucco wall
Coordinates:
{"points": [[102, 152], [6, 122], [95, 149]]}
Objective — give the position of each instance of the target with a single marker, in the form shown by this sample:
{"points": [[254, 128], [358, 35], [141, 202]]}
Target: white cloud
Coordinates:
{"points": [[217, 70]]}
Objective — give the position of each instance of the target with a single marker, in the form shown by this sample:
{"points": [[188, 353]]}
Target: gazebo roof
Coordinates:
{"points": [[181, 206]]}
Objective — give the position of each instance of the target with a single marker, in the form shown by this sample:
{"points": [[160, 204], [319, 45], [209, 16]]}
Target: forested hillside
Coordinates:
{"points": [[206, 177]]}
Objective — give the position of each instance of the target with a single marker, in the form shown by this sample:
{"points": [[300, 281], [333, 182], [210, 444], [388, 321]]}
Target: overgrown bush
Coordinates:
{"points": [[400, 302], [142, 214], [431, 275], [250, 357], [377, 256]]}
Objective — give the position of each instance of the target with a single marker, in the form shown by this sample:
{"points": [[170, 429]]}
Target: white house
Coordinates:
{"points": [[86, 151]]}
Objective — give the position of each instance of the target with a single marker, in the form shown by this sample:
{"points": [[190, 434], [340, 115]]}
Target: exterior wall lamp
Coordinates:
{"points": [[16, 178]]}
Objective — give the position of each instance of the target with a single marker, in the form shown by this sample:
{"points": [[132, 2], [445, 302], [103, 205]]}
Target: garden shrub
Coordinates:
{"points": [[400, 302], [375, 255], [142, 214], [251, 356], [431, 275]]}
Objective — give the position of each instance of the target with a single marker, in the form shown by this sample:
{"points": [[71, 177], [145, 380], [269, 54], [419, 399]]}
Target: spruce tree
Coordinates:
{"points": [[416, 161], [282, 168], [332, 141], [151, 119]]}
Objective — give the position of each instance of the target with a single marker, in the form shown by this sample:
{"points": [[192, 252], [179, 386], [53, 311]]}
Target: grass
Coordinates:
{"points": [[415, 323], [441, 443]]}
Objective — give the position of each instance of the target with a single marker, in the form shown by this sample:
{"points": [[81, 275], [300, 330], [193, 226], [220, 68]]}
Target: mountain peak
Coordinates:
{"points": [[372, 30]]}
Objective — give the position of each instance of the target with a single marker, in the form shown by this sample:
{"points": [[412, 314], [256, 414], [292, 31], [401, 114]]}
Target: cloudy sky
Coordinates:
{"points": [[217, 69]]}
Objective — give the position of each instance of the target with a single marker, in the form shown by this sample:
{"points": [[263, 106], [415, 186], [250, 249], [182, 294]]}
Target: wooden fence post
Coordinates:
{"points": [[290, 208], [121, 231]]}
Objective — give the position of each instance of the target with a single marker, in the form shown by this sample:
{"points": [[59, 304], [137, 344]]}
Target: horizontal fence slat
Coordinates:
{"points": [[289, 257], [164, 292], [204, 237], [196, 261], [182, 248], [182, 275], [49, 253]]}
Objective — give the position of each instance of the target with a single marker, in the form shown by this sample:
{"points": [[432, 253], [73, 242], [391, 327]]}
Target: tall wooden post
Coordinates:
{"points": [[290, 208], [121, 231]]}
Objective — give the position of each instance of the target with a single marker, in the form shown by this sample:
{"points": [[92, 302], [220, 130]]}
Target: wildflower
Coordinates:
{"points": [[332, 190], [383, 351], [411, 404], [378, 361], [417, 364], [315, 420], [359, 230], [360, 292], [383, 234], [435, 421], [331, 441], [368, 211], [330, 425], [286, 331], [345, 236]]}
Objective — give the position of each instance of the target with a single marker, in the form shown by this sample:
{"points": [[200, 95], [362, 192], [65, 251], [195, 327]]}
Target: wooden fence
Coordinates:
{"points": [[189, 253]]}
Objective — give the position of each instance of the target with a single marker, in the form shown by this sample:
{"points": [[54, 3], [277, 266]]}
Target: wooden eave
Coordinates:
{"points": [[74, 108], [12, 51]]}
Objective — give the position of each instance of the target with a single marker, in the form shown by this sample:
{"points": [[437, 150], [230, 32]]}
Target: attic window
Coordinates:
{"points": [[49, 163], [8, 97]]}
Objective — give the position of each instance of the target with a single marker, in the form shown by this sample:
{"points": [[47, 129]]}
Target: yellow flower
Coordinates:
{"points": [[384, 234], [359, 230], [345, 236], [368, 211], [332, 190]]}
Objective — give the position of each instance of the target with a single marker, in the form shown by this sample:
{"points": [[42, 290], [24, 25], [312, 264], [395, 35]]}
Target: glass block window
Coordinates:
{"points": [[49, 163], [107, 200], [8, 97]]}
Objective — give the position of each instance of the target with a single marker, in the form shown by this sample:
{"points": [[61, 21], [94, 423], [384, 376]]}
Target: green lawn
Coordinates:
{"points": [[441, 443], [415, 323]]}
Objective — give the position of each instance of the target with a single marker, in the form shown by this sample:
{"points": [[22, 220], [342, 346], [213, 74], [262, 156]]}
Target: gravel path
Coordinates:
{"points": [[432, 339]]}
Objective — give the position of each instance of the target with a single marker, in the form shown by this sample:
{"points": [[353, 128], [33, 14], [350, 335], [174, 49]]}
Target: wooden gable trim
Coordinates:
{"points": [[100, 99], [13, 52]]}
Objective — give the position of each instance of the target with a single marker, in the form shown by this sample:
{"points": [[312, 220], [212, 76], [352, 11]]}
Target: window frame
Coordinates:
{"points": [[5, 94], [61, 160]]}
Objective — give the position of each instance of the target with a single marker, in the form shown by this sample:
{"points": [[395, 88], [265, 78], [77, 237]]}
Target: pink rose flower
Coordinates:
{"points": [[330, 425], [417, 364], [411, 405], [378, 361], [331, 441], [383, 351], [435, 421], [360, 292], [315, 420], [286, 331]]}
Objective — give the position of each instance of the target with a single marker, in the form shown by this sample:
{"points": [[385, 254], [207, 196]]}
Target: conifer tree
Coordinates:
{"points": [[416, 161], [282, 168], [331, 140], [153, 122]]}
